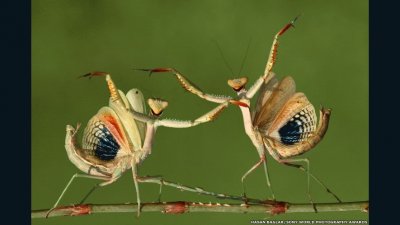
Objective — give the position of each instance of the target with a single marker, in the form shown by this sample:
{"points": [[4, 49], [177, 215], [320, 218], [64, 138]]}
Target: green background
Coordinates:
{"points": [[327, 54]]}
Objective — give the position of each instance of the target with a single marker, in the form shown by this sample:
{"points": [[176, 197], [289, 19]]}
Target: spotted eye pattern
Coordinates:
{"points": [[99, 142], [299, 127]]}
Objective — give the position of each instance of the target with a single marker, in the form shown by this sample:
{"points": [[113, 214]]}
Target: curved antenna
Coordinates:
{"points": [[223, 57], [245, 57]]}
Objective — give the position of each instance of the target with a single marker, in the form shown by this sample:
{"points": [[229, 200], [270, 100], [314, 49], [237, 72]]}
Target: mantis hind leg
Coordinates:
{"points": [[135, 181], [70, 182], [268, 179], [255, 166], [95, 187], [290, 162], [153, 179]]}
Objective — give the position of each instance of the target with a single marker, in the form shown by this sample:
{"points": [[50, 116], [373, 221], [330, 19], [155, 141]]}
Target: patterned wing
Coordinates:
{"points": [[274, 97], [103, 137], [294, 124]]}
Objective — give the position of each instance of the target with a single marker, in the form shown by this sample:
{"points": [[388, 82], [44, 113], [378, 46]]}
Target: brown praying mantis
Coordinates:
{"points": [[120, 136], [283, 122]]}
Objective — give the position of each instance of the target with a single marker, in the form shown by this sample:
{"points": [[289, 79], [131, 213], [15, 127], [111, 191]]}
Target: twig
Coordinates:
{"points": [[184, 207]]}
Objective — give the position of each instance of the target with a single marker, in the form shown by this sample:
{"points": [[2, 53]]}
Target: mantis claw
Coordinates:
{"points": [[157, 70], [289, 25], [92, 74], [294, 20]]}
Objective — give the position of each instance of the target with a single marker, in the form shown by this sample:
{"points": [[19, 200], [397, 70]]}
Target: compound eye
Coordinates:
{"points": [[157, 105], [238, 83]]}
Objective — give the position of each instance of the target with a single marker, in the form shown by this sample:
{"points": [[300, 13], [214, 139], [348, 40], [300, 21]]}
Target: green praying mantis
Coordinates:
{"points": [[120, 136]]}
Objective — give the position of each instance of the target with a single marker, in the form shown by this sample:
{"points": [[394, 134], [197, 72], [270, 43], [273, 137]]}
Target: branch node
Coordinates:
{"points": [[278, 208], [75, 210], [365, 208], [176, 208]]}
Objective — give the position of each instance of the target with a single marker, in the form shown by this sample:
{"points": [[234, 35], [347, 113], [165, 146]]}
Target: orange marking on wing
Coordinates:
{"points": [[111, 119], [116, 130]]}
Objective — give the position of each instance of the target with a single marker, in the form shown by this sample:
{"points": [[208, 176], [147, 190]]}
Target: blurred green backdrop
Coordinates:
{"points": [[327, 54]]}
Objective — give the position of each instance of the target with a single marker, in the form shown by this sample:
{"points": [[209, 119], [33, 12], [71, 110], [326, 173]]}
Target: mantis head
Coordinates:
{"points": [[238, 84], [157, 106]]}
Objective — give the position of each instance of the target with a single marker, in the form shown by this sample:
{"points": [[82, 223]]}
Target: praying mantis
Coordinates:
{"points": [[120, 136], [283, 122]]}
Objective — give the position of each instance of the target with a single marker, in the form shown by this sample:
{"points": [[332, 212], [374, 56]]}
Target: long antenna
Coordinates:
{"points": [[245, 57], [223, 57]]}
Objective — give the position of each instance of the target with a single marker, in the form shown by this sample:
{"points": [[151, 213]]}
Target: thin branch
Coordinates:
{"points": [[185, 207]]}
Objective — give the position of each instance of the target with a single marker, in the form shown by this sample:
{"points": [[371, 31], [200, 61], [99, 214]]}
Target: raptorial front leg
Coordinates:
{"points": [[270, 62], [115, 95], [190, 86], [210, 116], [152, 122], [274, 49]]}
